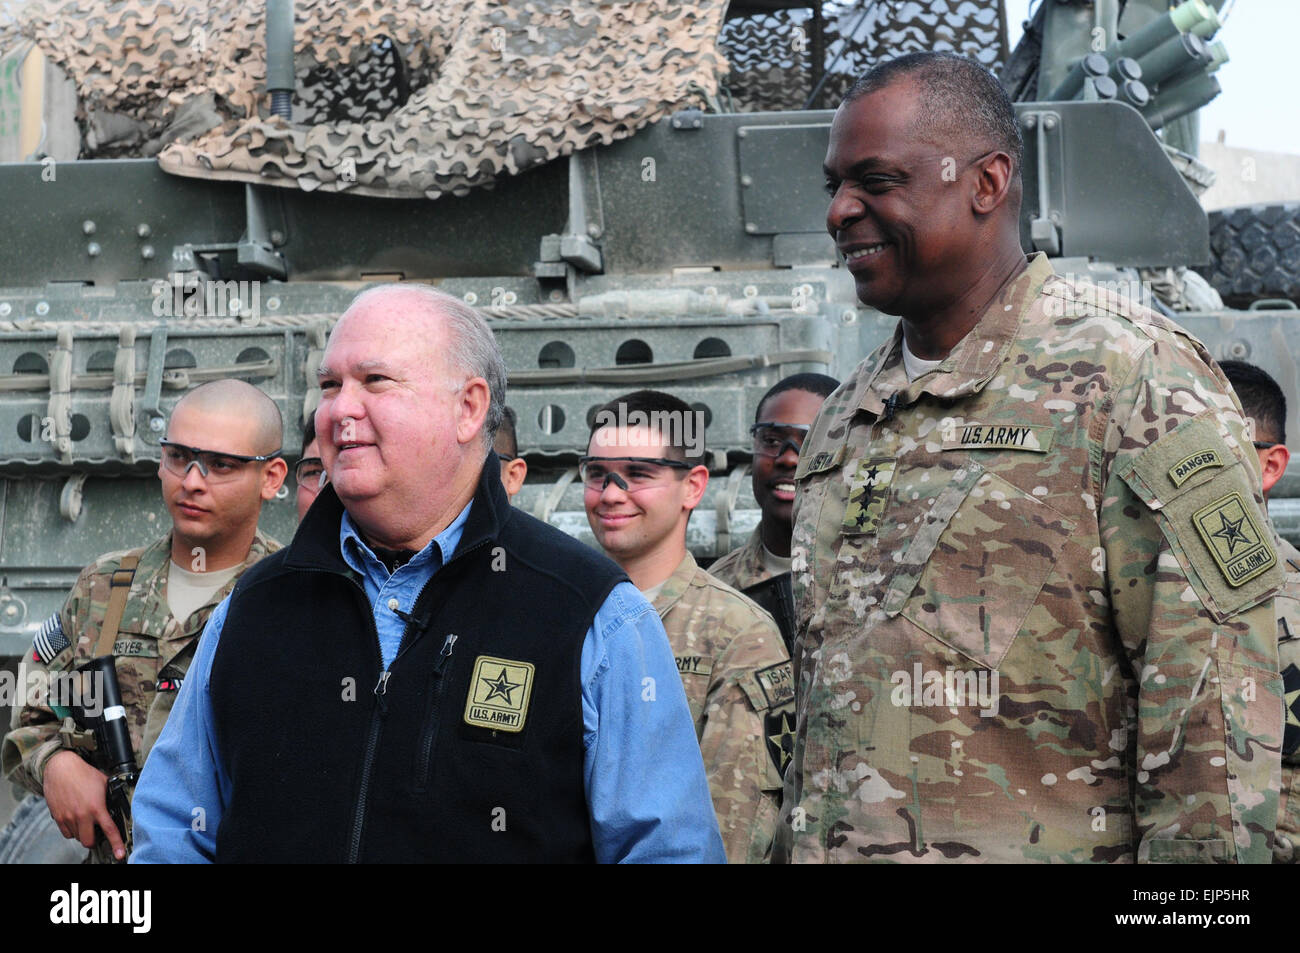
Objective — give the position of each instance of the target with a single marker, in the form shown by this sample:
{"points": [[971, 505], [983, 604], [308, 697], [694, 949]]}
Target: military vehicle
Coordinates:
{"points": [[630, 193]]}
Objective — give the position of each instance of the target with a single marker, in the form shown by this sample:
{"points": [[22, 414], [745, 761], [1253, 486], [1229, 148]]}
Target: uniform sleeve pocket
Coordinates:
{"points": [[975, 568], [1204, 501]]}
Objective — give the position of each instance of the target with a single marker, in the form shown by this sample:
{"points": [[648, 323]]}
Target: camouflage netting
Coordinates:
{"points": [[771, 51], [405, 99]]}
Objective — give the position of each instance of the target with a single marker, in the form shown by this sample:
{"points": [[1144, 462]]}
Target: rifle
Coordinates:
{"points": [[111, 750]]}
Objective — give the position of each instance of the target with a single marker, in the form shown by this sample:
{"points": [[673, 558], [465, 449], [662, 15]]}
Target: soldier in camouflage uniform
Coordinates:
{"points": [[1034, 583], [640, 485], [214, 535], [1264, 405]]}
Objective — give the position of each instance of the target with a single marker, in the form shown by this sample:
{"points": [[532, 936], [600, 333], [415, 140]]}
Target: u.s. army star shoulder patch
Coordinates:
{"points": [[1291, 721], [1237, 546], [778, 733], [499, 693]]}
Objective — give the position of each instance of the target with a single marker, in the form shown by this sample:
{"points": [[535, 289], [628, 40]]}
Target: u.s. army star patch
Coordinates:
{"points": [[498, 694], [1291, 723], [778, 730], [1237, 546], [867, 497]]}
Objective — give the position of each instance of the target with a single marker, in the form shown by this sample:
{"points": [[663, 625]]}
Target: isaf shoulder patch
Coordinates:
{"points": [[1236, 544], [777, 683], [49, 641], [499, 693]]}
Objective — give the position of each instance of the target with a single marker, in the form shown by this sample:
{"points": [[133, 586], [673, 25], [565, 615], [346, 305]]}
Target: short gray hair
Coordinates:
{"points": [[473, 347]]}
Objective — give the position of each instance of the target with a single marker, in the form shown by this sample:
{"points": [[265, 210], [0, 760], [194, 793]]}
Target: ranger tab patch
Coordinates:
{"points": [[1237, 546], [499, 693], [1189, 466]]}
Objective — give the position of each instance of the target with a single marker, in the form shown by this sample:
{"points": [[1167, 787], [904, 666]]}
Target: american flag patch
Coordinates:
{"points": [[170, 684], [50, 641]]}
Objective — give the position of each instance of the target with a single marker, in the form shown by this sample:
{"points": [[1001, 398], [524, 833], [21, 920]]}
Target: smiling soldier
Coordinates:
{"points": [[1032, 482], [761, 568], [640, 486], [146, 607]]}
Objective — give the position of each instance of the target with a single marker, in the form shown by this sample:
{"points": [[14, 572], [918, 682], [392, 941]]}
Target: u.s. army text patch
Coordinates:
{"points": [[977, 436], [499, 693], [1237, 546]]}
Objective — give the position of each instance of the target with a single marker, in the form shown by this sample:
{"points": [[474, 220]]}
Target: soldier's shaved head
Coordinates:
{"points": [[242, 400]]}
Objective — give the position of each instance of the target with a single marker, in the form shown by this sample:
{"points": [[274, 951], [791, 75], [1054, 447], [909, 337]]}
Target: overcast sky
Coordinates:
{"points": [[1257, 108]]}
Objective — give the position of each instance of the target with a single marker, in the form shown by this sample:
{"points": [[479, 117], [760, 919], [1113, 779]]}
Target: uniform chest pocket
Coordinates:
{"points": [[976, 565]]}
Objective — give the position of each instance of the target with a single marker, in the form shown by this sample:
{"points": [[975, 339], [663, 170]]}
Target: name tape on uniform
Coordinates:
{"points": [[499, 694]]}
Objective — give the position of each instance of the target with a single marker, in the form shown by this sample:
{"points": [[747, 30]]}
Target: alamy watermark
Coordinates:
{"points": [[188, 296], [80, 691], [951, 688], [1091, 296], [683, 429]]}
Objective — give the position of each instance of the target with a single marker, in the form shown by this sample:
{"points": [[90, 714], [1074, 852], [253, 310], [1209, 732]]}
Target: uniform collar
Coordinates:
{"points": [[974, 360], [676, 585], [155, 563]]}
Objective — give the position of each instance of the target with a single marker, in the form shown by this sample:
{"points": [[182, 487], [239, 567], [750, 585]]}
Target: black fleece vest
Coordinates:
{"points": [[469, 751]]}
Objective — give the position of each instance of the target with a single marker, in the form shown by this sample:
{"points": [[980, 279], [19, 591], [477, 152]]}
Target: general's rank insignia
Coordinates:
{"points": [[1291, 728], [1238, 548], [868, 496], [778, 731], [499, 693]]}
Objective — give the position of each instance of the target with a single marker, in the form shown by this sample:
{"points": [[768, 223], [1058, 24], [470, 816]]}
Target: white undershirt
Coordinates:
{"points": [[914, 366], [186, 590], [773, 563], [652, 593]]}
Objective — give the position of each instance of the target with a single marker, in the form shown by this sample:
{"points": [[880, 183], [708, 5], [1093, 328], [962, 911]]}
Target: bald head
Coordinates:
{"points": [[471, 347], [239, 399]]}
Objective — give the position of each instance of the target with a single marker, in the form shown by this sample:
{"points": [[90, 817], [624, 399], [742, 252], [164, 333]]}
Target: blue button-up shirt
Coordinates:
{"points": [[647, 793]]}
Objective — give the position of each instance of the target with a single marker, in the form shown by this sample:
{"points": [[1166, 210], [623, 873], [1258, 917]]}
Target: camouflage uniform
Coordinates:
{"points": [[740, 690], [1286, 846], [153, 653], [1034, 588], [743, 567]]}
